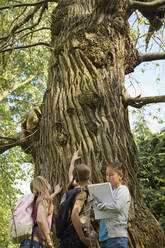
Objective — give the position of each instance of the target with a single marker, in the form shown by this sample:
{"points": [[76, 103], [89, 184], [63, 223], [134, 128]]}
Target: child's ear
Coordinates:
{"points": [[121, 174]]}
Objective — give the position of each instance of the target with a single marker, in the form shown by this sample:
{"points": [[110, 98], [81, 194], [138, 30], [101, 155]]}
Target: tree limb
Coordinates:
{"points": [[148, 6], [21, 37], [26, 19], [5, 93], [8, 138], [22, 47], [29, 16], [17, 26], [9, 143], [30, 27], [138, 102], [152, 56], [25, 4]]}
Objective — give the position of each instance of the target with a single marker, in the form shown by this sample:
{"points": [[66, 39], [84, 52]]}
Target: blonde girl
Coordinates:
{"points": [[42, 213]]}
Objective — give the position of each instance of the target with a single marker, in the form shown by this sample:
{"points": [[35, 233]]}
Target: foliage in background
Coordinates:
{"points": [[13, 170], [23, 72], [151, 172], [23, 76]]}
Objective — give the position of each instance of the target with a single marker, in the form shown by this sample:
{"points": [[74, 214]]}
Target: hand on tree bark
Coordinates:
{"points": [[75, 156], [57, 189]]}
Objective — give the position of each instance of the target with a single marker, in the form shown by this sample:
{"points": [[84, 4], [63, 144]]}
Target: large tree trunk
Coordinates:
{"points": [[83, 105]]}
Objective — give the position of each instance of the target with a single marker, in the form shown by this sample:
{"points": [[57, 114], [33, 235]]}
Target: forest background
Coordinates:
{"points": [[23, 77]]}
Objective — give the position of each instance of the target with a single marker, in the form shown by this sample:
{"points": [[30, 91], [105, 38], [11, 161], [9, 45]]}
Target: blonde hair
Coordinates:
{"points": [[39, 186], [41, 189]]}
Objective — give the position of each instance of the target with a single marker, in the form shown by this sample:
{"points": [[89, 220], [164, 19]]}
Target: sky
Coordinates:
{"points": [[24, 186], [150, 76], [149, 81]]}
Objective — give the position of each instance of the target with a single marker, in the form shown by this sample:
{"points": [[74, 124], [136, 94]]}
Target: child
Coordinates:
{"points": [[42, 213], [113, 230], [76, 235]]}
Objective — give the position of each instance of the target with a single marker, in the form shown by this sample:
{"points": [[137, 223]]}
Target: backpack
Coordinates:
{"points": [[21, 223], [62, 220]]}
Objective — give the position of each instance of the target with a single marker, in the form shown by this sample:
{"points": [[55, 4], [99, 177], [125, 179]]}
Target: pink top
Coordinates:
{"points": [[37, 231]]}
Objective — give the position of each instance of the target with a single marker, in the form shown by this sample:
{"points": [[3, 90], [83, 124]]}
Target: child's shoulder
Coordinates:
{"points": [[82, 195], [123, 187], [44, 200]]}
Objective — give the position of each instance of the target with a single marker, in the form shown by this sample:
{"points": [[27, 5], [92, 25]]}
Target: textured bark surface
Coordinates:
{"points": [[83, 105]]}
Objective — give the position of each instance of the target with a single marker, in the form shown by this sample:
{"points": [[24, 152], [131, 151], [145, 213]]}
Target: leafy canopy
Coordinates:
{"points": [[151, 171]]}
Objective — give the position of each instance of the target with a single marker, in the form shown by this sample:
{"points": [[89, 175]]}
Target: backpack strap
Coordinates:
{"points": [[87, 194], [35, 224], [76, 191]]}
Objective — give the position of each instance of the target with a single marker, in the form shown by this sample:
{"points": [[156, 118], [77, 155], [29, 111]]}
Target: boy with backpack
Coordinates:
{"points": [[73, 221]]}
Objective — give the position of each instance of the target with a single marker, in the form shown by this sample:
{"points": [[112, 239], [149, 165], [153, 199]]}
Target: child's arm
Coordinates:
{"points": [[77, 224], [42, 215], [57, 190], [74, 158], [120, 200]]}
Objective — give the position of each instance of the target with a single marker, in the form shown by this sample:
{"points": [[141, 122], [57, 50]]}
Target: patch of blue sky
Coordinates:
{"points": [[24, 186], [148, 79]]}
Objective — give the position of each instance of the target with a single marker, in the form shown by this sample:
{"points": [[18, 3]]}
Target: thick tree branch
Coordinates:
{"points": [[148, 6], [8, 138], [138, 102], [25, 4], [22, 47], [22, 139], [152, 56], [5, 93], [9, 142]]}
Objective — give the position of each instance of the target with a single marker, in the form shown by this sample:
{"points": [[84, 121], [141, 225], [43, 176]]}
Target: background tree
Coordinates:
{"points": [[85, 104], [151, 149], [11, 175]]}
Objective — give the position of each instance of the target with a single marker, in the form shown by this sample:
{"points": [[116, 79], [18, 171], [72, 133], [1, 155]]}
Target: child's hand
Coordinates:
{"points": [[96, 202], [86, 241], [57, 189], [75, 156], [95, 198], [50, 245]]}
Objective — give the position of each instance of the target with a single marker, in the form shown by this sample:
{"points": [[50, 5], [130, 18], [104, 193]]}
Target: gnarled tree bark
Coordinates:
{"points": [[83, 106]]}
